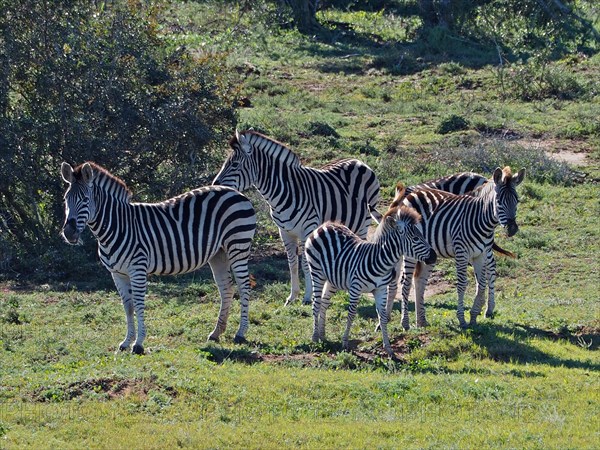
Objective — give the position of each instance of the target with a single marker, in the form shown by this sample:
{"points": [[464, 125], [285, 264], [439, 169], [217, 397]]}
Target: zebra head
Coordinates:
{"points": [[404, 222], [239, 170], [506, 197], [79, 204]]}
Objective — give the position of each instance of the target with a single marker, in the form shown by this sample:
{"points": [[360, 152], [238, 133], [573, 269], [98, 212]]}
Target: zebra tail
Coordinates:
{"points": [[500, 250]]}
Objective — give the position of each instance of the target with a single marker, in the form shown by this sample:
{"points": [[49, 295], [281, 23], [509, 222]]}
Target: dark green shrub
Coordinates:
{"points": [[452, 123], [322, 129], [97, 81]]}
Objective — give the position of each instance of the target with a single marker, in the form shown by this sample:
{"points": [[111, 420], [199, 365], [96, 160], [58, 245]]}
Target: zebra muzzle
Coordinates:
{"points": [[432, 258], [70, 232], [511, 228]]}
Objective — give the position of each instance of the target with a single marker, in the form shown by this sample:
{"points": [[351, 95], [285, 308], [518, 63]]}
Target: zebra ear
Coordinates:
{"points": [[400, 189], [519, 178], [245, 144], [498, 175], [87, 173], [237, 135], [67, 172]]}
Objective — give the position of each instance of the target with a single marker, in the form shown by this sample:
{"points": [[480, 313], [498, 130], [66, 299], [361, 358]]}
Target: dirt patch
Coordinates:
{"points": [[569, 151], [114, 388]]}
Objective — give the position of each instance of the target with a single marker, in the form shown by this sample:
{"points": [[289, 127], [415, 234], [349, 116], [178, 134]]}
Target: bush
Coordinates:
{"points": [[97, 81], [452, 123], [514, 27], [538, 80]]}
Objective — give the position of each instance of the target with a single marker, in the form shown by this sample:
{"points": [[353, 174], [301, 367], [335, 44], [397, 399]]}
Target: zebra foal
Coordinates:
{"points": [[339, 259], [213, 225], [301, 198], [461, 227]]}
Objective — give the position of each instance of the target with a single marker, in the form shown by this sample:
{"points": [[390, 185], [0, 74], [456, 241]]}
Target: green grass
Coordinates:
{"points": [[529, 378]]}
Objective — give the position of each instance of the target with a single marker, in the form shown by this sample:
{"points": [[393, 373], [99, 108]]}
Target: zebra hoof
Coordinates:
{"points": [[123, 347], [490, 314], [137, 349], [239, 340], [213, 338], [306, 302]]}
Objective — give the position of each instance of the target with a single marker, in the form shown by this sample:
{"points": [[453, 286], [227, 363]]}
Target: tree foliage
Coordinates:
{"points": [[97, 81], [514, 26]]}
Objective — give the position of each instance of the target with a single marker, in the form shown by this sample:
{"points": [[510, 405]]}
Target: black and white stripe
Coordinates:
{"points": [[301, 198], [460, 183], [339, 259], [211, 224], [461, 227]]}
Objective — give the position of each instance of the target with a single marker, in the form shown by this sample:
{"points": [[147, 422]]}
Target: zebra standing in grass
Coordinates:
{"points": [[459, 184], [301, 198], [461, 227], [210, 224], [339, 259]]}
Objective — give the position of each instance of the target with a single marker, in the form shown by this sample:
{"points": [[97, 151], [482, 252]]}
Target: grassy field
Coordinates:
{"points": [[529, 378]]}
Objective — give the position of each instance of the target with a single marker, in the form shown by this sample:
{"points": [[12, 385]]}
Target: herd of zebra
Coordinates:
{"points": [[322, 214]]}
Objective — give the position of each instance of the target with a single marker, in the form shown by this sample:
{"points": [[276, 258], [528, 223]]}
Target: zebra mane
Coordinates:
{"points": [[270, 147], [104, 179]]}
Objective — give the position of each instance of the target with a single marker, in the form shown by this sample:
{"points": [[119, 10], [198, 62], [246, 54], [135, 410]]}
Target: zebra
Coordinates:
{"points": [[461, 227], [301, 198], [211, 224], [459, 184], [339, 259]]}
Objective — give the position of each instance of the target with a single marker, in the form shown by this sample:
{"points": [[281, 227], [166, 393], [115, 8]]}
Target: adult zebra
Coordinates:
{"points": [[301, 198], [459, 184], [339, 259], [211, 224], [461, 227]]}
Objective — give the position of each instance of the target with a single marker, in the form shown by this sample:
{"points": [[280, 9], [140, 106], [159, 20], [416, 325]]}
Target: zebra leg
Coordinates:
{"points": [[408, 270], [392, 290], [490, 273], [381, 299], [139, 282], [462, 263], [239, 269], [308, 286], [291, 248], [123, 285], [219, 264], [480, 275], [422, 273], [318, 286], [326, 294], [354, 297]]}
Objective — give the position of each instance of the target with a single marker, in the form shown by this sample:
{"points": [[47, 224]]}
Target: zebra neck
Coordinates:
{"points": [[386, 249], [487, 202], [108, 224], [276, 181]]}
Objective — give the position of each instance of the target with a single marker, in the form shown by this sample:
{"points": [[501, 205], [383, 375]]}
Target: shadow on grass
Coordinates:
{"points": [[510, 344]]}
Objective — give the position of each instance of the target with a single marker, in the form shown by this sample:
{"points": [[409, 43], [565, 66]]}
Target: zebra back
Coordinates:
{"points": [[301, 198]]}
